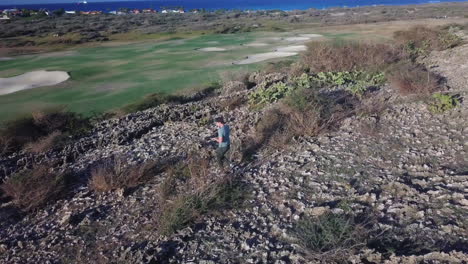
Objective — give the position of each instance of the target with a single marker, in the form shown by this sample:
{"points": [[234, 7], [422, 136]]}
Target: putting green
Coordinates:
{"points": [[105, 78]]}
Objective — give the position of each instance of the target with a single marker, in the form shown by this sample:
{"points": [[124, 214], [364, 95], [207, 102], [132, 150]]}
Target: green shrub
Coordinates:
{"points": [[356, 82], [187, 208], [263, 96], [304, 81], [443, 103], [328, 232]]}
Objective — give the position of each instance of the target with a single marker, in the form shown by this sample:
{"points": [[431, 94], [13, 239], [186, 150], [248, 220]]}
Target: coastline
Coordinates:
{"points": [[216, 6]]}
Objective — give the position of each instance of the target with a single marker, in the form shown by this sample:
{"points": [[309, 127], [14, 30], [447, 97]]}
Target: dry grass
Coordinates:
{"points": [[34, 188], [421, 40], [235, 76], [5, 144], [190, 176], [43, 144], [349, 56], [232, 102], [44, 126], [305, 112], [333, 238], [190, 190], [116, 174], [233, 82], [410, 79]]}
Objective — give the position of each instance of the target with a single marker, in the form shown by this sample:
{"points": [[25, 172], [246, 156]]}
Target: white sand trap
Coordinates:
{"points": [[265, 56], [256, 44], [31, 80], [297, 39], [311, 35], [5, 59], [212, 49], [295, 48]]}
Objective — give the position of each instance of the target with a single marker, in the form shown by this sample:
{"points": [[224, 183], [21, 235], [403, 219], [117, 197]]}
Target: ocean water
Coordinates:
{"points": [[220, 4]]}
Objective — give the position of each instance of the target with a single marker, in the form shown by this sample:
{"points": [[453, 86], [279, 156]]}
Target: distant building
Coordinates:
{"points": [[148, 11], [4, 17], [136, 11], [91, 12], [12, 12], [176, 11], [70, 12]]}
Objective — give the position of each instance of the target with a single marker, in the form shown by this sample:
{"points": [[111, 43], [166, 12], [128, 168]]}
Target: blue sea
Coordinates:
{"points": [[219, 4]]}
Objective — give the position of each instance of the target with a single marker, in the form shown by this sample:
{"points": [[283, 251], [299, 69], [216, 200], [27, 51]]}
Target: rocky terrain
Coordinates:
{"points": [[401, 173]]}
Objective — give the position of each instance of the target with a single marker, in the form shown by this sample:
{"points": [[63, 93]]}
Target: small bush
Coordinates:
{"points": [[303, 113], [117, 174], [279, 66], [411, 79], [187, 208], [349, 56], [420, 40], [443, 103], [16, 134], [263, 96], [190, 191], [233, 102], [234, 81], [43, 144], [331, 237], [35, 188], [355, 82]]}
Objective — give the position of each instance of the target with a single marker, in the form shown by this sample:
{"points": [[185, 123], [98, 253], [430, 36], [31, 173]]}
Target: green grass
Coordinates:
{"points": [[106, 78]]}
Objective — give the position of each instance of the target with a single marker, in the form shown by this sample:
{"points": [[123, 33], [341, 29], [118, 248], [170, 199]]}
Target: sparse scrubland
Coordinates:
{"points": [[355, 152]]}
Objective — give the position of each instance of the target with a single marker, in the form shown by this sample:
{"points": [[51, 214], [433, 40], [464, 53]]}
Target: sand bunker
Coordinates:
{"points": [[265, 56], [212, 49], [296, 48], [297, 39], [311, 35], [5, 59], [256, 44], [31, 80]]}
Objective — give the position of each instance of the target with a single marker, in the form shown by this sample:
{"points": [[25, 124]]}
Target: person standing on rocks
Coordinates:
{"points": [[223, 139]]}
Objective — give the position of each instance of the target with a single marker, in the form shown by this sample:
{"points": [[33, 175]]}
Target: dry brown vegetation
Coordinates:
{"points": [[190, 190], [47, 127], [232, 103], [409, 79], [43, 144], [350, 56], [116, 174], [303, 113], [34, 188], [193, 173], [421, 40]]}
